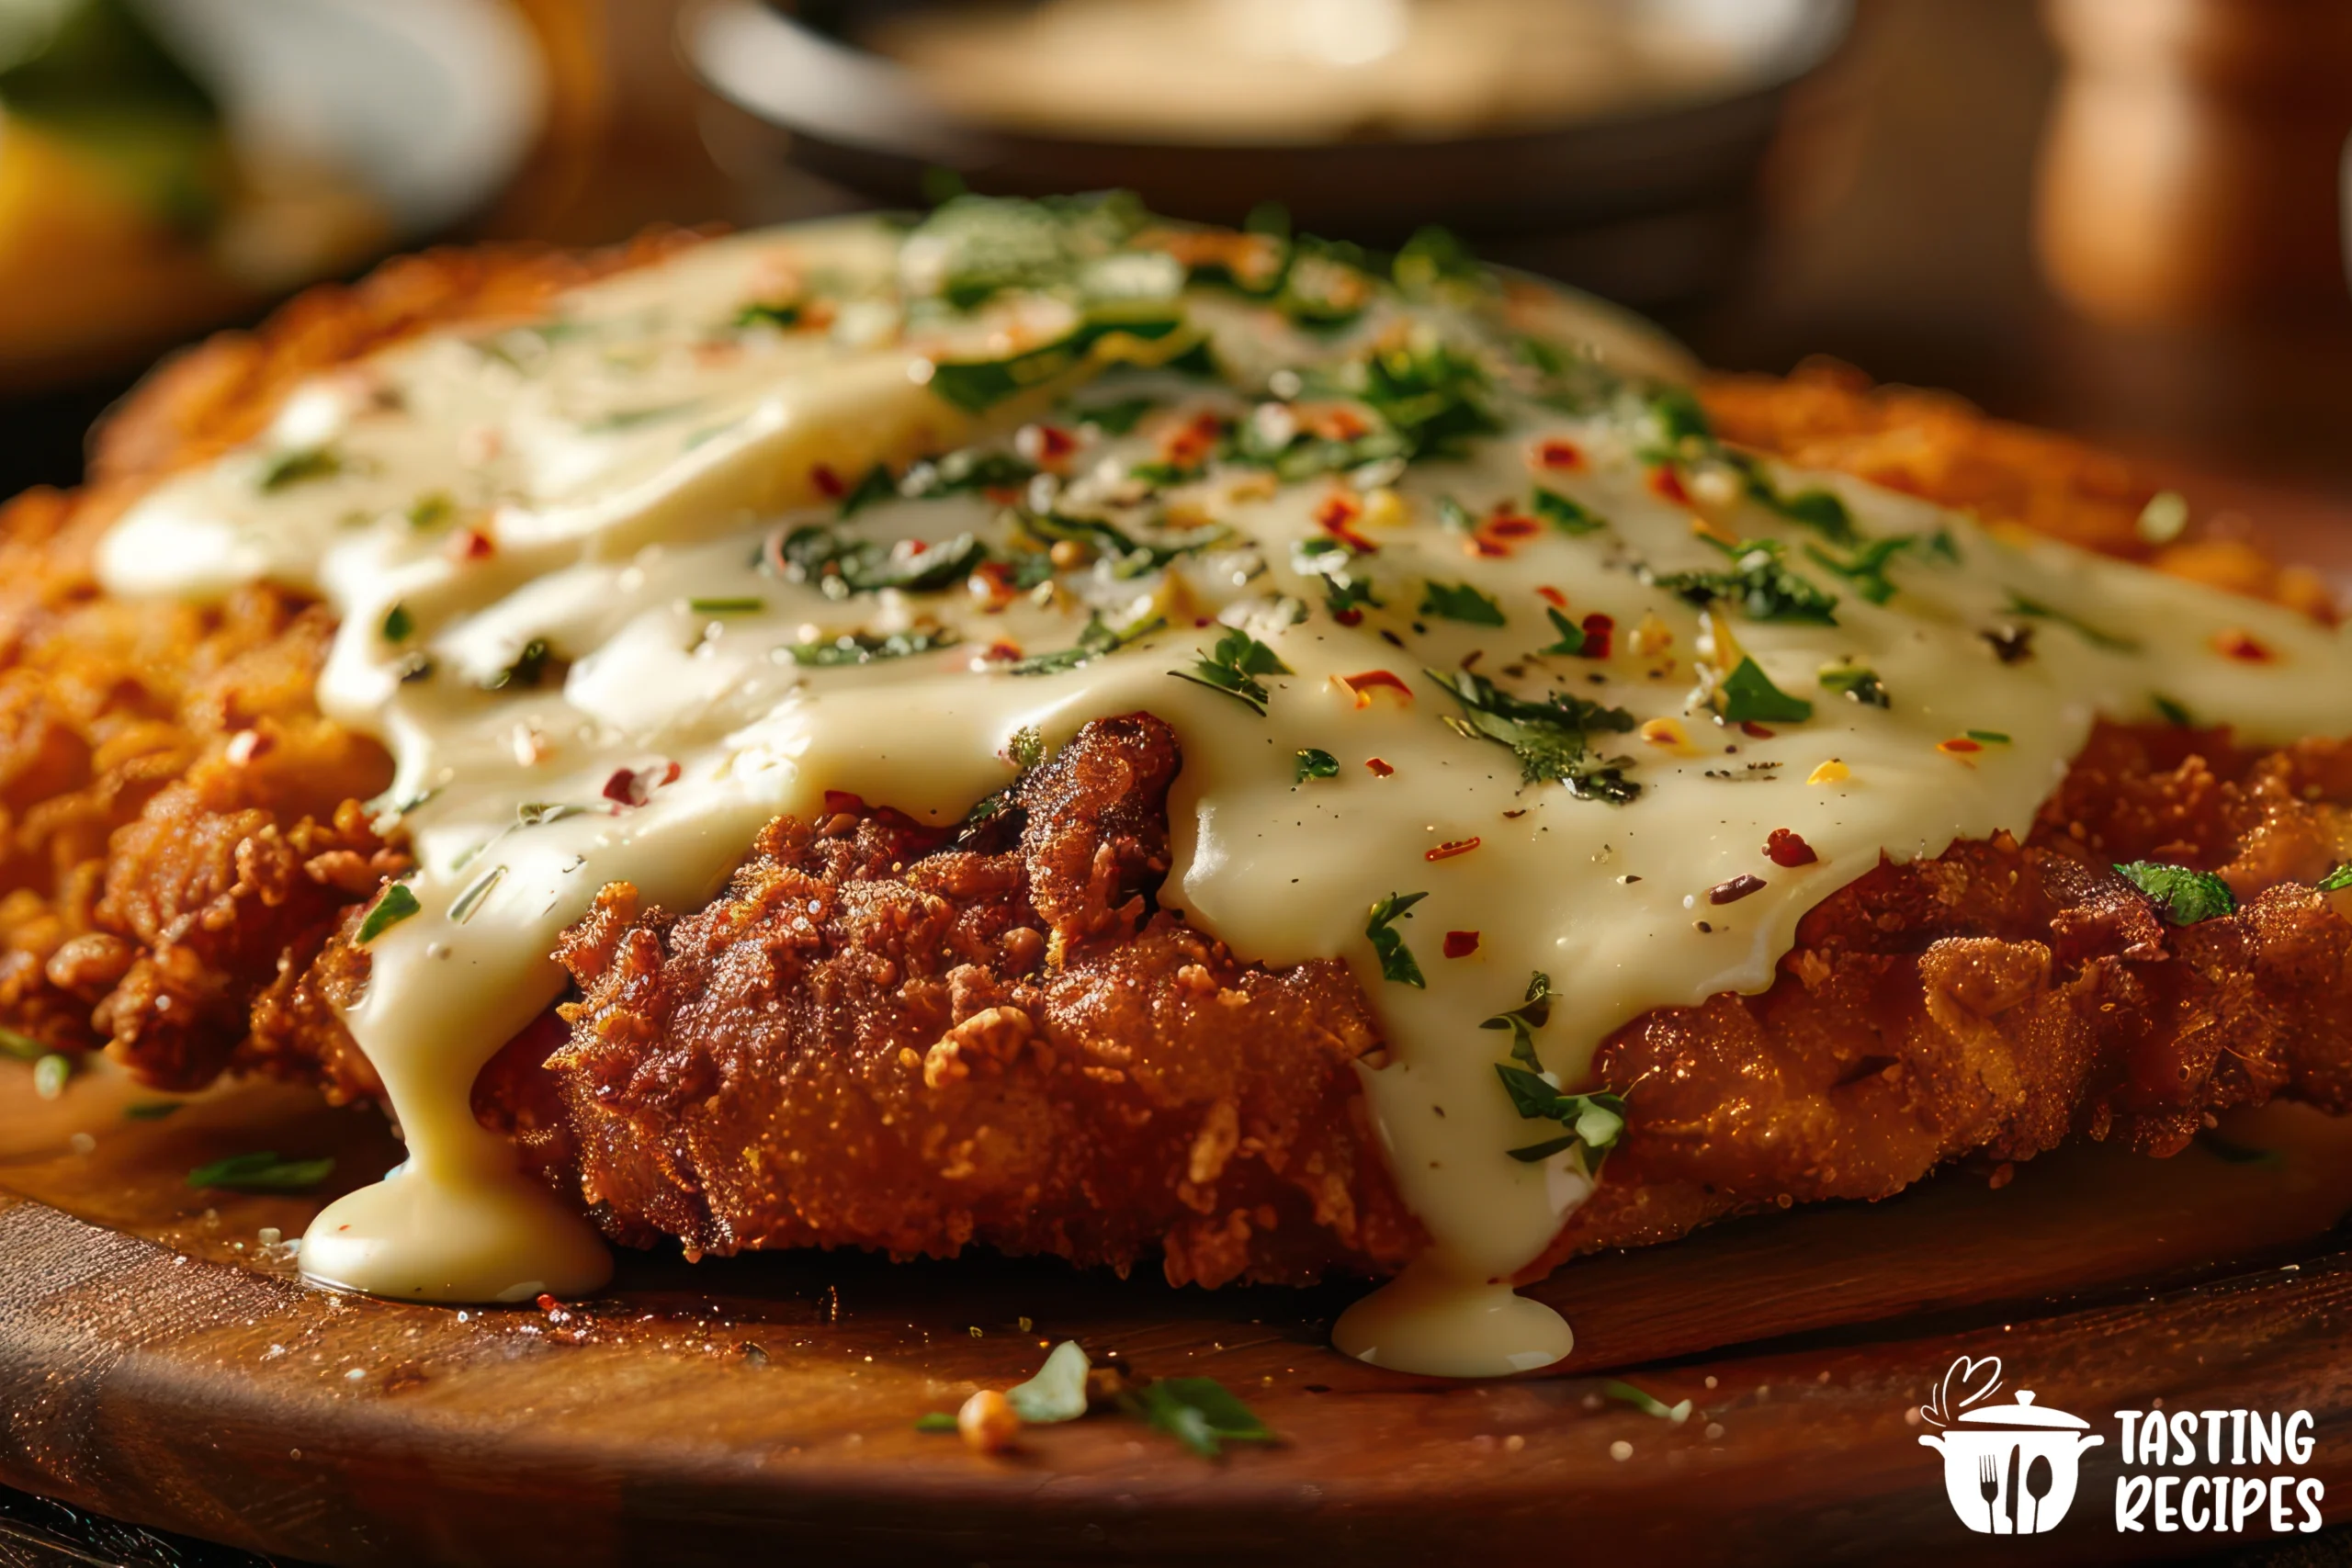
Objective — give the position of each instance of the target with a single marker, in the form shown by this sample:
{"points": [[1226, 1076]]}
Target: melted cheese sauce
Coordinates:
{"points": [[600, 600]]}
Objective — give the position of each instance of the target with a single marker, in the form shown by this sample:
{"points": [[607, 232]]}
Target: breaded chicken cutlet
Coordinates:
{"points": [[915, 1031]]}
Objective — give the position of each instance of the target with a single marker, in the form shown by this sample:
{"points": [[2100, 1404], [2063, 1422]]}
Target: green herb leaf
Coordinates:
{"points": [[1233, 667], [1549, 738], [863, 648], [1396, 961], [1315, 765], [1524, 1019], [395, 904], [1571, 635], [1130, 556], [1059, 1391], [1345, 593], [151, 1110], [23, 1047], [1026, 750], [1749, 694], [1679, 417], [840, 566], [1818, 510], [1093, 642], [431, 510], [262, 1172], [297, 465], [399, 624], [977, 386], [1647, 1403], [1988, 737], [530, 667], [967, 469], [1198, 1412], [539, 813], [878, 485], [742, 604], [2229, 1151], [782, 315], [937, 1421], [1856, 685], [2338, 880], [1593, 1123], [1759, 582], [1118, 418], [2175, 713], [1566, 515], [1460, 601], [2181, 895], [2035, 609], [1866, 567]]}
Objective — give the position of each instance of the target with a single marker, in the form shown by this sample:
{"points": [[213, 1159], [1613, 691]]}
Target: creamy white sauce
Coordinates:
{"points": [[632, 461]]}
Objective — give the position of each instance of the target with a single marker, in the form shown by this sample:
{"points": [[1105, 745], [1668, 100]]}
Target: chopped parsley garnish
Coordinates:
{"points": [[1759, 582], [1233, 667], [2338, 880], [1647, 1403], [1117, 418], [431, 510], [262, 1172], [151, 1110], [863, 648], [1313, 763], [23, 1047], [1433, 397], [1857, 686], [1128, 556], [1816, 509], [1455, 517], [1988, 737], [935, 1421], [297, 465], [970, 469], [1434, 256], [1866, 568], [1460, 601], [1679, 418], [781, 315], [398, 624], [1344, 593], [2181, 895], [1571, 635], [742, 604], [396, 904], [2174, 713], [1593, 1123], [1396, 961], [530, 666], [1026, 750], [1548, 737], [977, 386], [1097, 639], [877, 486], [1197, 1411], [1059, 1391], [1749, 694], [1532, 1013], [841, 567], [538, 813], [1567, 516], [2034, 608]]}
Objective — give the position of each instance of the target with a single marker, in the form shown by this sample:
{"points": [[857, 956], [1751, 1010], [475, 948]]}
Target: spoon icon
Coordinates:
{"points": [[2039, 1479]]}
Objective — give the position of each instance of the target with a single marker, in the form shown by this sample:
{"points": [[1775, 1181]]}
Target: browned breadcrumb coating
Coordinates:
{"points": [[2004, 998], [883, 1038]]}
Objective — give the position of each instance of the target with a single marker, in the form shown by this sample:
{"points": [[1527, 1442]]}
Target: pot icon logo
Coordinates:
{"points": [[2009, 1469]]}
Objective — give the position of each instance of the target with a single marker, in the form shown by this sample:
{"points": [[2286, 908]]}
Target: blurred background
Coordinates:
{"points": [[2120, 218]]}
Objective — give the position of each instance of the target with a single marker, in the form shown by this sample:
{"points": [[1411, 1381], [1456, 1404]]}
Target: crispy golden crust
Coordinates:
{"points": [[881, 1038], [180, 839]]}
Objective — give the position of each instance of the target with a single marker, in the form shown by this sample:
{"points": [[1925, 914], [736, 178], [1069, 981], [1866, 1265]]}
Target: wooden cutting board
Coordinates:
{"points": [[159, 1362]]}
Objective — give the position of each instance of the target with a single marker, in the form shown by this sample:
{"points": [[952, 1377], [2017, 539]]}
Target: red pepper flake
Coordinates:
{"points": [[1002, 652], [1048, 446], [829, 483], [992, 581], [1507, 525], [1336, 516], [840, 801], [1188, 446], [631, 786], [470, 544], [1597, 631], [1552, 597], [1958, 746], [1785, 848], [1380, 770], [2242, 645], [1460, 944], [1754, 730], [1562, 456], [1667, 484], [1732, 892], [1362, 685], [1332, 421], [1451, 848]]}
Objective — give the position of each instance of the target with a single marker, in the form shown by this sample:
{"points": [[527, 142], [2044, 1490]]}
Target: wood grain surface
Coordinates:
{"points": [[159, 1362]]}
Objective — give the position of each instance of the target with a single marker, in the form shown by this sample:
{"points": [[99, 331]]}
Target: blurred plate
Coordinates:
{"points": [[1674, 180]]}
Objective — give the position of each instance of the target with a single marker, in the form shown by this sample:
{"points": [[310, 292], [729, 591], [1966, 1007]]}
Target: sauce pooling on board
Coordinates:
{"points": [[1496, 675]]}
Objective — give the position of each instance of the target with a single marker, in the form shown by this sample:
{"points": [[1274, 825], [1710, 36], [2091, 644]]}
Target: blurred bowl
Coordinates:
{"points": [[1645, 205]]}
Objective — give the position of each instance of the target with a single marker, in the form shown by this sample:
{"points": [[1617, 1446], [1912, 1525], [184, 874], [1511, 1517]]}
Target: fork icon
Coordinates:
{"points": [[1988, 1485]]}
